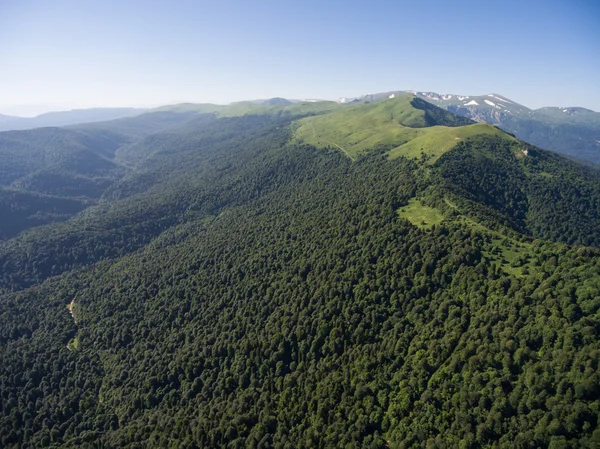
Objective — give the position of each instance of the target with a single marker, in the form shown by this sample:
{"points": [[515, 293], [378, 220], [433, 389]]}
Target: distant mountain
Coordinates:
{"points": [[7, 118], [575, 115], [491, 104], [403, 125], [368, 98], [277, 101], [571, 131], [64, 118]]}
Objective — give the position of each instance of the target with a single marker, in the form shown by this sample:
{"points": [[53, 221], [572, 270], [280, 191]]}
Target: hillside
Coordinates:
{"points": [[381, 274], [44, 169], [23, 210], [269, 107], [392, 123], [571, 131]]}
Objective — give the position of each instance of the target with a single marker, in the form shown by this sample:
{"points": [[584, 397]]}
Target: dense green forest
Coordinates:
{"points": [[235, 287], [50, 174], [23, 210], [535, 192]]}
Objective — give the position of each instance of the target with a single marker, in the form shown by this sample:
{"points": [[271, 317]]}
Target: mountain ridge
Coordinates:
{"points": [[571, 131], [66, 118]]}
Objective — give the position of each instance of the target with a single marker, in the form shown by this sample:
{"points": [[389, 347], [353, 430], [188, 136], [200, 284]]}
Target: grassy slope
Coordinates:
{"points": [[359, 127], [303, 108], [434, 141], [354, 128], [393, 123], [247, 107], [421, 215], [513, 256]]}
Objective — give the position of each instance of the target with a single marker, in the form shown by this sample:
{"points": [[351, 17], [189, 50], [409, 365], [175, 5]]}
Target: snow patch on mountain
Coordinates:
{"points": [[430, 95], [472, 103], [491, 103], [498, 98]]}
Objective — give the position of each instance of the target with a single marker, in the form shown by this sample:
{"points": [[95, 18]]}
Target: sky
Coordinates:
{"points": [[65, 54]]}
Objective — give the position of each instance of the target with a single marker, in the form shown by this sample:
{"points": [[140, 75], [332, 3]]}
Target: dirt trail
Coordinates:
{"points": [[73, 344], [329, 142], [70, 308]]}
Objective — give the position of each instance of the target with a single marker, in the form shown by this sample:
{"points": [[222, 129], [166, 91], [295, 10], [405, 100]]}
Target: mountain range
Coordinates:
{"points": [[374, 273], [65, 118], [571, 131]]}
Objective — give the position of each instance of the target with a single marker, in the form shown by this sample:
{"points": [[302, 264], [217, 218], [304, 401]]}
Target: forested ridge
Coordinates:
{"points": [[237, 288], [534, 192], [45, 173]]}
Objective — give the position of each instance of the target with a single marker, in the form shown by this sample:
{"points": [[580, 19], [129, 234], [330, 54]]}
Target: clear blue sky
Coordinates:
{"points": [[81, 53]]}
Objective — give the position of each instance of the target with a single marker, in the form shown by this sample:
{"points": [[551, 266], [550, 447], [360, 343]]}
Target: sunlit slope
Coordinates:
{"points": [[302, 108], [436, 140], [404, 125], [242, 108]]}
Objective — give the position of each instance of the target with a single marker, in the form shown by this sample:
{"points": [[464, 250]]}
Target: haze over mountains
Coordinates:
{"points": [[65, 118]]}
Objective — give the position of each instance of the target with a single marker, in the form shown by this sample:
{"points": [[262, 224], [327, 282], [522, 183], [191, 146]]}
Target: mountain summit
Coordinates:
{"points": [[571, 131]]}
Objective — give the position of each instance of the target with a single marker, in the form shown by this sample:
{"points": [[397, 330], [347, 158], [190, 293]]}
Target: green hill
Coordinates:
{"points": [[252, 108], [404, 125], [247, 284]]}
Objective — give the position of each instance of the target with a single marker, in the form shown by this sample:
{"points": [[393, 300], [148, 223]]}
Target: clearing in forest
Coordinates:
{"points": [[420, 215]]}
